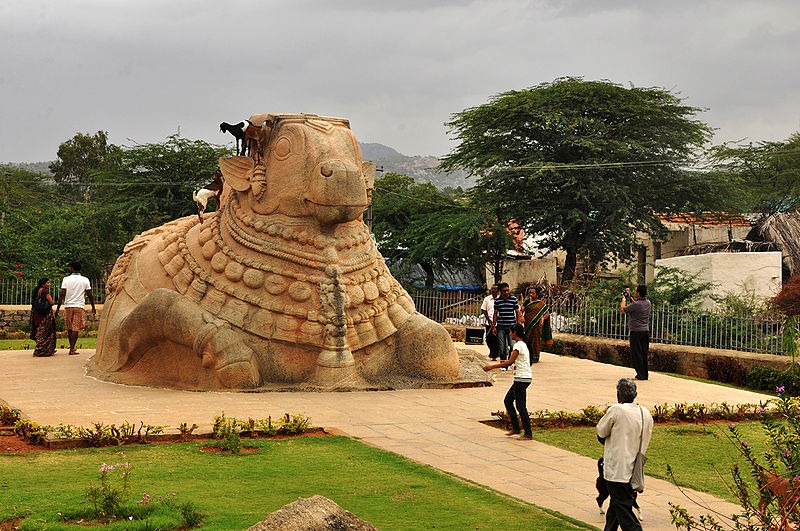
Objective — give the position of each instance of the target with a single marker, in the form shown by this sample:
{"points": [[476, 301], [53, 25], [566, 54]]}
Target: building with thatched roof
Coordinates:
{"points": [[781, 229]]}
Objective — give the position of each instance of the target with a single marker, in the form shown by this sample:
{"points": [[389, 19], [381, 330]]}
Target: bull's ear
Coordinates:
{"points": [[369, 170], [237, 172]]}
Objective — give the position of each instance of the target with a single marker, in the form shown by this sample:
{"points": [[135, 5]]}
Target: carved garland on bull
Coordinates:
{"points": [[282, 285]]}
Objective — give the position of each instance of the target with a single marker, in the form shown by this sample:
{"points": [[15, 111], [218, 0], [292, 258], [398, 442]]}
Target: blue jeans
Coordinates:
{"points": [[504, 342]]}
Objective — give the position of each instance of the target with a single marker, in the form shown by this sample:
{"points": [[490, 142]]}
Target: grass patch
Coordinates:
{"points": [[237, 491], [700, 455], [61, 343]]}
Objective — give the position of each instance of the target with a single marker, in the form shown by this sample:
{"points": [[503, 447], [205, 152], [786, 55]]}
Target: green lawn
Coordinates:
{"points": [[61, 343], [700, 456], [236, 491]]}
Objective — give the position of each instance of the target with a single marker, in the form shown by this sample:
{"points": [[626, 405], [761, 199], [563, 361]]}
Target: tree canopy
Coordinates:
{"points": [[416, 224], [767, 173], [585, 164], [100, 197]]}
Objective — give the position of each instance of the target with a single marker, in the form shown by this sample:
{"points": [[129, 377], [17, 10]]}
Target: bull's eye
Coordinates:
{"points": [[283, 148], [326, 171]]}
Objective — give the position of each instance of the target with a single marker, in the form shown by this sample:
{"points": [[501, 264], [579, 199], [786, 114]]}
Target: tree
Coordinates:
{"points": [[585, 164], [768, 173], [24, 199], [439, 231], [149, 184], [79, 159]]}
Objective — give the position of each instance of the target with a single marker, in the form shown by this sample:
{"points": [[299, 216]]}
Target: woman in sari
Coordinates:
{"points": [[537, 322], [43, 325]]}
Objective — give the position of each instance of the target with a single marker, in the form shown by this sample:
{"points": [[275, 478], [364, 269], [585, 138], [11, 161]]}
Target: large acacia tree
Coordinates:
{"points": [[585, 164]]}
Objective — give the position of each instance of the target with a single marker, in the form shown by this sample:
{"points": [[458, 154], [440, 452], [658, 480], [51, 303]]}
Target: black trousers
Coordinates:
{"points": [[620, 510], [491, 342], [640, 348], [518, 394]]}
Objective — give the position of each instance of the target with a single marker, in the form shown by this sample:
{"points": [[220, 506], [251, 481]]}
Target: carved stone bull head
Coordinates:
{"points": [[308, 166]]}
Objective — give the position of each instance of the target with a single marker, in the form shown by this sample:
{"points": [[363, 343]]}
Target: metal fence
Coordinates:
{"points": [[454, 307], [742, 332], [16, 292]]}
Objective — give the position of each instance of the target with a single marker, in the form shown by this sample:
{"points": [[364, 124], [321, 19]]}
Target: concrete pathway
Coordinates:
{"points": [[437, 427]]}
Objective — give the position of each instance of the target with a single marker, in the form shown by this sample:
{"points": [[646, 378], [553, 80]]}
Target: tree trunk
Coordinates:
{"points": [[570, 263], [428, 274]]}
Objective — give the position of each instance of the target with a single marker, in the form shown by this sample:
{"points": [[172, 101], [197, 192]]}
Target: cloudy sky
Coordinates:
{"points": [[145, 69]]}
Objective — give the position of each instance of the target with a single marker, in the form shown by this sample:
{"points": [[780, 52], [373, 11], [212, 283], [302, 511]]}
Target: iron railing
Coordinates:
{"points": [[743, 332], [18, 292], [732, 331]]}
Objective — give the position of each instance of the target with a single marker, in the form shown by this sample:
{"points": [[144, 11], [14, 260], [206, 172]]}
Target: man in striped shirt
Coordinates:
{"points": [[506, 314]]}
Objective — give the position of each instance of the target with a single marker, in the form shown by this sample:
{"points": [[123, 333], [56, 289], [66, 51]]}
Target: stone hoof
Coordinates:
{"points": [[235, 364]]}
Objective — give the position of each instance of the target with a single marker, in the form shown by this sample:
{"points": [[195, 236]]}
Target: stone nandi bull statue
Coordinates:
{"points": [[281, 287]]}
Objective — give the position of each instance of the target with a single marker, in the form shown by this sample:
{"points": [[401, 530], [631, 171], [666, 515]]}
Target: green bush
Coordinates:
{"points": [[726, 370]]}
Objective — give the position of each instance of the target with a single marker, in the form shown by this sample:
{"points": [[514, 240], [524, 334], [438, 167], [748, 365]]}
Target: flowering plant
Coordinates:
{"points": [[107, 497], [775, 501]]}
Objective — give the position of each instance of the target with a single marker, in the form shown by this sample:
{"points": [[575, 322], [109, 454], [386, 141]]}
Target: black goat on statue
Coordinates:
{"points": [[238, 132]]}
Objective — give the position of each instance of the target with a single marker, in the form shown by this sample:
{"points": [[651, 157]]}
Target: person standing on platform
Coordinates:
{"points": [[638, 312], [506, 314], [73, 290], [487, 314]]}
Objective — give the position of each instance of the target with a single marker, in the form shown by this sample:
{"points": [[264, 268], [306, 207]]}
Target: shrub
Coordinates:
{"points": [[772, 504], [107, 497], [726, 370], [9, 415], [664, 362], [295, 424]]}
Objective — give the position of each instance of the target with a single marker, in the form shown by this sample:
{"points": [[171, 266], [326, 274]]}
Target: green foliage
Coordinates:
{"points": [[79, 160], [678, 288], [771, 503], [726, 370], [585, 164], [383, 488], [662, 413], [9, 415], [107, 496], [103, 196], [295, 424], [227, 431], [763, 378], [417, 225], [767, 174]]}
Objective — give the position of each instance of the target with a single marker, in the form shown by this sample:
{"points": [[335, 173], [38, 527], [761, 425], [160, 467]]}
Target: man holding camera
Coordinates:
{"points": [[638, 312]]}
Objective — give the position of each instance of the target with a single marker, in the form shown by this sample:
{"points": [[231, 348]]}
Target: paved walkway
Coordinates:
{"points": [[438, 427]]}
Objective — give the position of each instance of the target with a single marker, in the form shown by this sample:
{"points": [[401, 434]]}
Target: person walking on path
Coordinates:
{"points": [[624, 428], [536, 313], [43, 324], [638, 313], [74, 288], [506, 315], [487, 314], [517, 394]]}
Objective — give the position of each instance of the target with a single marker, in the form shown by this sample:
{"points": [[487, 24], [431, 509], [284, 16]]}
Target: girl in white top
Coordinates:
{"points": [[517, 394]]}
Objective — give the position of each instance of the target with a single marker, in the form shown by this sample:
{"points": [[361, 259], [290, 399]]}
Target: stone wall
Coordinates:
{"points": [[676, 359], [16, 318]]}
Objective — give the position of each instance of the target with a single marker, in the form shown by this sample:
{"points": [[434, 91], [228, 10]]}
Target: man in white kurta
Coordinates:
{"points": [[620, 430]]}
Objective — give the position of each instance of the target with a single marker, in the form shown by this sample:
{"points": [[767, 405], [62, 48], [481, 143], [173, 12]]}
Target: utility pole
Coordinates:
{"points": [[368, 211]]}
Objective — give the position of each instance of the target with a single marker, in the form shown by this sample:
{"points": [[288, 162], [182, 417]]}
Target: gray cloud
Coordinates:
{"points": [[144, 69]]}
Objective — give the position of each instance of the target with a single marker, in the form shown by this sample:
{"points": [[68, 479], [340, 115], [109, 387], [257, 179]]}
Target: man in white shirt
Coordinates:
{"points": [[621, 429], [487, 314], [73, 290]]}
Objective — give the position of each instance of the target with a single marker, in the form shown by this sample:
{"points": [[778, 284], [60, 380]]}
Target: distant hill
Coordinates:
{"points": [[421, 168], [35, 167]]}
